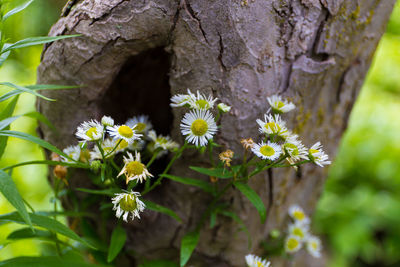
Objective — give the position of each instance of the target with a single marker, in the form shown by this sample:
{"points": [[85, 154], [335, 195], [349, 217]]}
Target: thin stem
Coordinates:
{"points": [[101, 150], [152, 159], [267, 167], [109, 153], [295, 164], [212, 204], [161, 177], [56, 187], [210, 153]]}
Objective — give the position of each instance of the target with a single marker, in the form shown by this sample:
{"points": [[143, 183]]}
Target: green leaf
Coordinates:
{"points": [[45, 222], [40, 117], [6, 122], [188, 244], [118, 239], [6, 113], [17, 9], [3, 57], [35, 41], [240, 222], [45, 261], [254, 199], [159, 263], [47, 162], [27, 233], [26, 90], [156, 207], [207, 187], [10, 192], [214, 172], [35, 88], [35, 115], [35, 140], [106, 192]]}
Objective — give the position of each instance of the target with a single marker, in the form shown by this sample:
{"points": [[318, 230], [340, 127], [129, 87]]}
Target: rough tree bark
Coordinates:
{"points": [[132, 55]]}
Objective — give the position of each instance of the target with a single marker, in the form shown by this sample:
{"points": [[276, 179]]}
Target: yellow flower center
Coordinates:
{"points": [[161, 140], [267, 151], [259, 264], [140, 127], [91, 132], [314, 245], [299, 215], [128, 203], [313, 151], [134, 168], [280, 104], [292, 243], [199, 127], [125, 131], [107, 150], [123, 144], [298, 232], [294, 151], [201, 103], [274, 127]]}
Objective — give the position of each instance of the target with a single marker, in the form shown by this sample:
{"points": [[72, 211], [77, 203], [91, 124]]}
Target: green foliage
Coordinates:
{"points": [[118, 239], [207, 187], [10, 192], [45, 222], [214, 172], [254, 199], [188, 244], [156, 207]]}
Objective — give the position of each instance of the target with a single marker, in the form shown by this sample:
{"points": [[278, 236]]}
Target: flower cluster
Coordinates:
{"points": [[281, 143], [299, 234], [199, 124], [100, 142], [255, 261]]}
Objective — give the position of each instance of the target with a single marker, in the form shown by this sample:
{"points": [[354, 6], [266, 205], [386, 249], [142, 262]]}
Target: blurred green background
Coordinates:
{"points": [[358, 215]]}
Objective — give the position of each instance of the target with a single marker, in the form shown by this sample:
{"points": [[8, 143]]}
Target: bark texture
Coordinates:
{"points": [[132, 55]]}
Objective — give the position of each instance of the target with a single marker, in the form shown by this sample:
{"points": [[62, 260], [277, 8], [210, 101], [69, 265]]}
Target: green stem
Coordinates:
{"points": [[152, 159], [112, 151], [158, 182], [212, 204], [266, 167], [210, 153], [101, 150], [291, 165], [56, 187]]}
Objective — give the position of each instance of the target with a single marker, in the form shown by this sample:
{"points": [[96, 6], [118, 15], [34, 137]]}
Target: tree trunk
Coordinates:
{"points": [[132, 55]]}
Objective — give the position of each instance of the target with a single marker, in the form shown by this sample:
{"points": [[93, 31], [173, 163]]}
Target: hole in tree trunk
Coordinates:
{"points": [[141, 87]]}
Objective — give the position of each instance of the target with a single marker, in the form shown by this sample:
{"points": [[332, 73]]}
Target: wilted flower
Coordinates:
{"points": [[226, 157], [128, 203], [134, 169]]}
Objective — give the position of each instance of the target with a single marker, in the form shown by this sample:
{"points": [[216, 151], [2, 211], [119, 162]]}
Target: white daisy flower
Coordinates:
{"points": [[90, 131], [314, 246], [198, 126], [140, 124], [107, 121], [268, 150], [160, 141], [297, 213], [292, 244], [273, 125], [107, 145], [279, 105], [295, 149], [318, 156], [123, 132], [134, 169], [128, 203], [73, 152], [300, 230], [137, 145], [255, 261], [181, 100], [201, 102], [223, 107]]}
